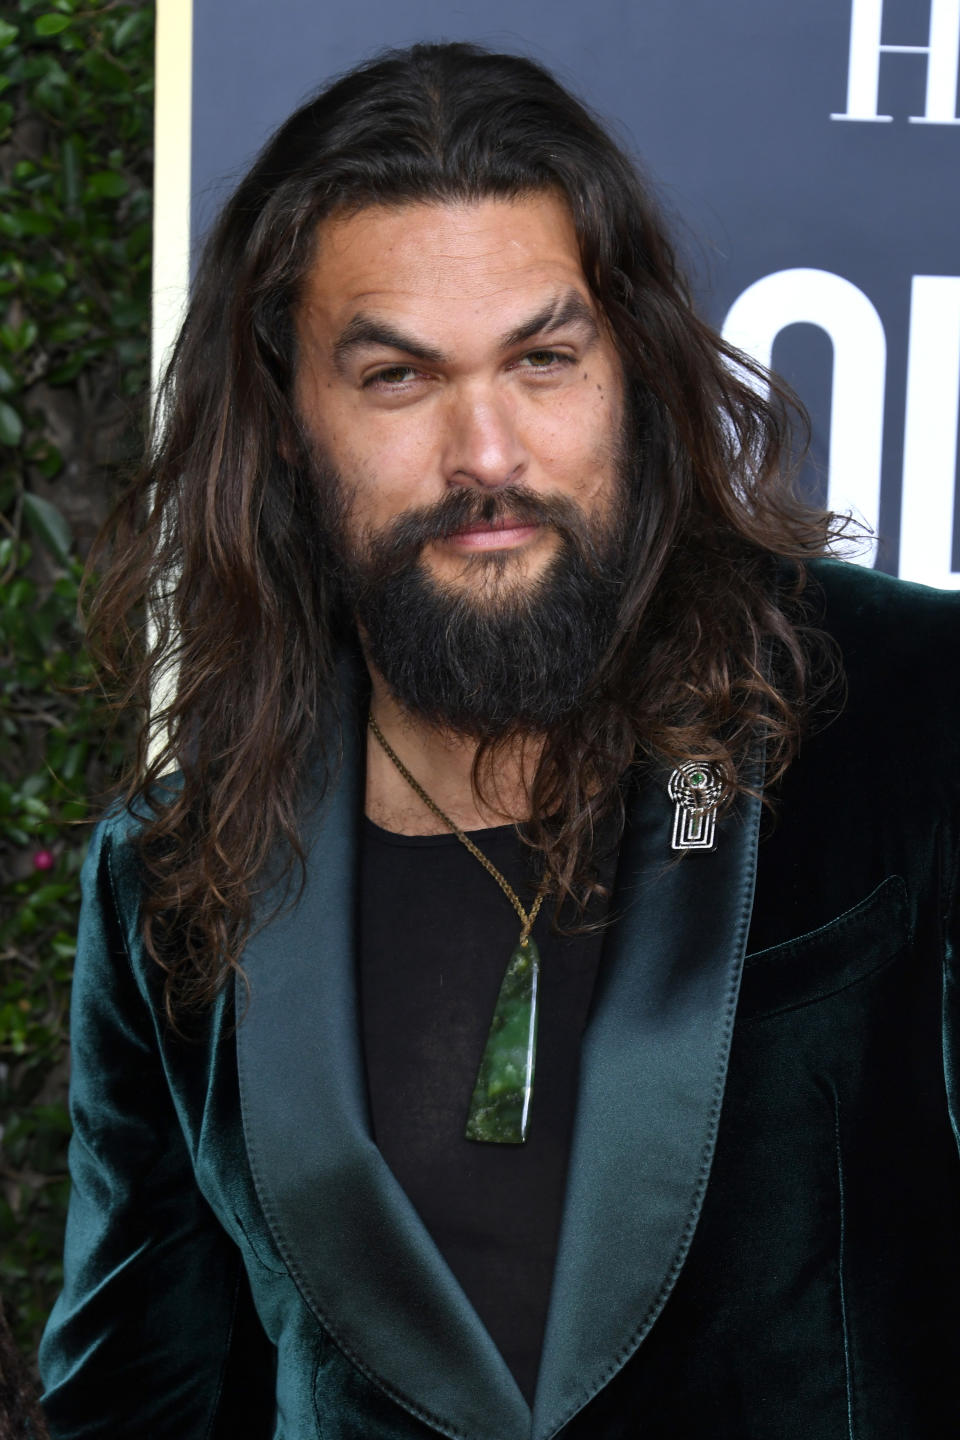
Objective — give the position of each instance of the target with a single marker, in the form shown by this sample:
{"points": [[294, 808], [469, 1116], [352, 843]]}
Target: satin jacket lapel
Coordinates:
{"points": [[652, 1078], [358, 1251]]}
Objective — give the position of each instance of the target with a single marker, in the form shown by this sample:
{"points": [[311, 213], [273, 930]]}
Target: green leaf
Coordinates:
{"points": [[71, 160], [7, 380], [65, 331], [137, 243], [33, 223], [126, 312], [50, 282], [8, 33], [69, 370], [49, 894], [11, 426], [21, 593], [106, 185], [50, 461], [48, 525], [52, 24], [18, 337], [104, 71], [135, 24], [46, 68], [48, 94]]}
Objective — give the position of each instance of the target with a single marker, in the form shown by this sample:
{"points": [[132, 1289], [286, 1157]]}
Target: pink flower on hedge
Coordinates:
{"points": [[43, 860]]}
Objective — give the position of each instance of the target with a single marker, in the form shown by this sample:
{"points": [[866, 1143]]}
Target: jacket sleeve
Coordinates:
{"points": [[154, 1298]]}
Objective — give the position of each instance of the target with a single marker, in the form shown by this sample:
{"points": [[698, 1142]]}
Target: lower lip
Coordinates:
{"points": [[506, 539]]}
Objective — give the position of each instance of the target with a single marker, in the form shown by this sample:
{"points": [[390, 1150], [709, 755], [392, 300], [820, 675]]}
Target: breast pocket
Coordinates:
{"points": [[825, 961]]}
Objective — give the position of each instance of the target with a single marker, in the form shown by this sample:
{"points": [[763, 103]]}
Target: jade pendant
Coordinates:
{"points": [[500, 1107]]}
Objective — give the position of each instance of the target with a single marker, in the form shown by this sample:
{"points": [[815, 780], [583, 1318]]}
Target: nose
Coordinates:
{"points": [[482, 443]]}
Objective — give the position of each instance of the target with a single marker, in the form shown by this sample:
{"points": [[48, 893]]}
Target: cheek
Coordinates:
{"points": [[385, 476], [377, 456], [582, 447]]}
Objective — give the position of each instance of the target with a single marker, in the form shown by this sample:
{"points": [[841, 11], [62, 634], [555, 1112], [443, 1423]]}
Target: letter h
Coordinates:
{"points": [[943, 57]]}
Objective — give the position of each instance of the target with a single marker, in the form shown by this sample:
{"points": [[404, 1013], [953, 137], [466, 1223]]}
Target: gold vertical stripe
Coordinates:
{"points": [[172, 149]]}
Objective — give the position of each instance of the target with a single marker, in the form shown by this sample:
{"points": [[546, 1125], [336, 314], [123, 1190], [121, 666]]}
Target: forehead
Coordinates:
{"points": [[433, 260]]}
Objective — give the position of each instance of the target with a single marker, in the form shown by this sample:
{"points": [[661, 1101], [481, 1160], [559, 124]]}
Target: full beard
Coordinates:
{"points": [[497, 656]]}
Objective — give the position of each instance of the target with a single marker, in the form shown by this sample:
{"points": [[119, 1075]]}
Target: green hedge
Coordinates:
{"points": [[76, 94]]}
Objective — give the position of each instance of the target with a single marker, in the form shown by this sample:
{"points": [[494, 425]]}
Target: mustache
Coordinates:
{"points": [[401, 542]]}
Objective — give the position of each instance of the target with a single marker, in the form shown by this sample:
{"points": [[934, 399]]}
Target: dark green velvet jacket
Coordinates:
{"points": [[761, 1237]]}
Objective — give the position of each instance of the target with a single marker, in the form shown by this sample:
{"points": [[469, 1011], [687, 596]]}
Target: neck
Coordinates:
{"points": [[442, 762]]}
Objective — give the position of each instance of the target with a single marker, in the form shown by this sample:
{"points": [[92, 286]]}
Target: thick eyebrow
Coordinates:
{"points": [[366, 330], [569, 308]]}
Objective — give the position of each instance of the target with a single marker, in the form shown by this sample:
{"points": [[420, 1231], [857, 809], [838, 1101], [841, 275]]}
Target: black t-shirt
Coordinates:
{"points": [[436, 932]]}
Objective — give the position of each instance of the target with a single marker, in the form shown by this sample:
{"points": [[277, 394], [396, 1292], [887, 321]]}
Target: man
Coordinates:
{"points": [[415, 1088]]}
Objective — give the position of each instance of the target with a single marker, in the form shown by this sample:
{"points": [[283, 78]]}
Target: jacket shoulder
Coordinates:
{"points": [[859, 606], [889, 631], [112, 879], [897, 643]]}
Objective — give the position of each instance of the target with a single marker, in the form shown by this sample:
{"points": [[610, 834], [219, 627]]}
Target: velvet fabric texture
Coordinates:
{"points": [[761, 1235]]}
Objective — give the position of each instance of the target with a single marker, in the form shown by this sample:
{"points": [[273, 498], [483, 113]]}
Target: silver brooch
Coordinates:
{"points": [[696, 789]]}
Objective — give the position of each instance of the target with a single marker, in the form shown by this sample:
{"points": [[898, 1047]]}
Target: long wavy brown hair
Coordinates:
{"points": [[215, 601]]}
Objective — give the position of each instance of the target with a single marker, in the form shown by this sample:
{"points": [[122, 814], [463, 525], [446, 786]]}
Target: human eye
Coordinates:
{"points": [[545, 361], [391, 377]]}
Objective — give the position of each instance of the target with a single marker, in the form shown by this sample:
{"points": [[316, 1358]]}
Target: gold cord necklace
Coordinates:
{"points": [[500, 1105]]}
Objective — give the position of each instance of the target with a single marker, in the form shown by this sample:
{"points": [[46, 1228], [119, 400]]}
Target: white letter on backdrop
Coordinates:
{"points": [[930, 433], [818, 297], [943, 56]]}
